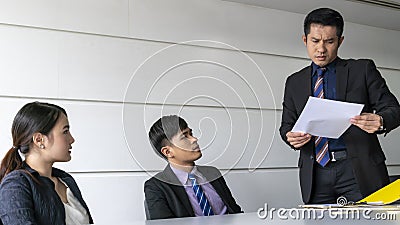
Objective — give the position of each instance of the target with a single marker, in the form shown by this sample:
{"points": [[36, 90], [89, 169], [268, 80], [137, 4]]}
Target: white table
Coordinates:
{"points": [[253, 219]]}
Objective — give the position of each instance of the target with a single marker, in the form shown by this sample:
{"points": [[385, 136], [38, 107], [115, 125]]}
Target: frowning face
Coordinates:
{"points": [[322, 44]]}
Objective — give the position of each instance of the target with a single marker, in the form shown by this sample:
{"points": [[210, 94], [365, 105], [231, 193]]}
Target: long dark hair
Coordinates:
{"points": [[34, 117]]}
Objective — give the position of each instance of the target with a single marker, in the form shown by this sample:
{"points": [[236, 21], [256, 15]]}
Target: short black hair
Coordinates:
{"points": [[163, 130], [325, 17]]}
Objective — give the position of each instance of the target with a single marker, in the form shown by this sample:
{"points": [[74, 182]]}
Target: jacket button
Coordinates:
{"points": [[312, 157]]}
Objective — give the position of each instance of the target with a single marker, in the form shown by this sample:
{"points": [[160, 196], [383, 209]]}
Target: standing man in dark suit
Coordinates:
{"points": [[353, 165], [184, 189]]}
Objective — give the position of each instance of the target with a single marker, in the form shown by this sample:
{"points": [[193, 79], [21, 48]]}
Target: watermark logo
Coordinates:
{"points": [[334, 213], [342, 201]]}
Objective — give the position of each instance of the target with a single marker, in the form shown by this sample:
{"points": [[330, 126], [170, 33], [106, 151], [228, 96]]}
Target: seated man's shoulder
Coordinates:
{"points": [[155, 179], [161, 178], [210, 170]]}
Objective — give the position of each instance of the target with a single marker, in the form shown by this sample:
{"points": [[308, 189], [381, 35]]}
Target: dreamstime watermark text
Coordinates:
{"points": [[339, 213]]}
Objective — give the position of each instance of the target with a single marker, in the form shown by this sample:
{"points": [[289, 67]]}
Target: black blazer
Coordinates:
{"points": [[357, 81], [166, 197]]}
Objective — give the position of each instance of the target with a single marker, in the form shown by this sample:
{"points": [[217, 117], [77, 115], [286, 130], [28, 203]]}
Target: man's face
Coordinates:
{"points": [[322, 44], [184, 149]]}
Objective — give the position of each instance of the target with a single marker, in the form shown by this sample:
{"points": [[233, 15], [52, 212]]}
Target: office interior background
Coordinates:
{"points": [[116, 66]]}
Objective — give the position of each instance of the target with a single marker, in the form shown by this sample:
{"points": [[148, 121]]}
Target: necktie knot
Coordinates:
{"points": [[192, 177], [321, 71]]}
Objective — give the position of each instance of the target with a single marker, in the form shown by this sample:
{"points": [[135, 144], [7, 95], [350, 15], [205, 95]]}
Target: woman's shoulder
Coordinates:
{"points": [[17, 178], [18, 174]]}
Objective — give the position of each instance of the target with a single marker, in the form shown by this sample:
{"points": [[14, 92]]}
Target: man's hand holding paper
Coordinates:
{"points": [[329, 118], [298, 139], [369, 122]]}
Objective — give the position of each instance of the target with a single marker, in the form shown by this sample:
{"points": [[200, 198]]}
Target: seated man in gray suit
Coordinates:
{"points": [[184, 189]]}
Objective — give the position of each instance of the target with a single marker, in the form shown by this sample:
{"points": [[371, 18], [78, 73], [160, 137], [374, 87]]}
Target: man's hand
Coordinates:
{"points": [[297, 139], [368, 122]]}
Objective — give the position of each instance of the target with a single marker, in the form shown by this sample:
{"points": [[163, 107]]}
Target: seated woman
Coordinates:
{"points": [[32, 191]]}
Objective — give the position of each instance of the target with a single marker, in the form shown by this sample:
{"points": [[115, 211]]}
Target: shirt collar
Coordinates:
{"points": [[29, 169], [330, 67], [183, 175], [55, 172]]}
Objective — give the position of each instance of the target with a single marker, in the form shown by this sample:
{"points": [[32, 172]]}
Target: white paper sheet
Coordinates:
{"points": [[326, 118]]}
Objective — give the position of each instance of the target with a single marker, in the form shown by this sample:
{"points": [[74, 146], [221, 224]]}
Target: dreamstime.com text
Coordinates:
{"points": [[319, 214]]}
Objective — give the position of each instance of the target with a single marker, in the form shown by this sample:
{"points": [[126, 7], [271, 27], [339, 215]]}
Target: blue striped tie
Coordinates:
{"points": [[201, 197], [321, 143]]}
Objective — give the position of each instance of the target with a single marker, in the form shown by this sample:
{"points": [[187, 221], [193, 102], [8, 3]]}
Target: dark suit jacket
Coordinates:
{"points": [[28, 198], [357, 81], [167, 198]]}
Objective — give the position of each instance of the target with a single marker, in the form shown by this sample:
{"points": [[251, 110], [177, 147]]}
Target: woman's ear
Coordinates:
{"points": [[38, 140]]}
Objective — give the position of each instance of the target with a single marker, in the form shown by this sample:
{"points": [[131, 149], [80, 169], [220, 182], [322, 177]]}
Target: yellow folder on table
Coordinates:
{"points": [[386, 195]]}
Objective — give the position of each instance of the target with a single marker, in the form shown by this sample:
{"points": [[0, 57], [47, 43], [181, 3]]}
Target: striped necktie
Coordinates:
{"points": [[321, 143], [201, 197]]}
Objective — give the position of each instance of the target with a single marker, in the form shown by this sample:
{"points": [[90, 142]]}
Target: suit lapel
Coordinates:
{"points": [[304, 87], [215, 182], [342, 75], [178, 189]]}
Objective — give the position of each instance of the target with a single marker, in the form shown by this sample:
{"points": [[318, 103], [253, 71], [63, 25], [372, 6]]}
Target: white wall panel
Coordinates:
{"points": [[379, 44], [80, 66], [390, 145], [174, 74], [113, 198], [8, 109], [251, 28], [99, 138], [201, 76], [392, 78], [29, 62], [99, 68], [93, 16], [276, 70], [248, 28]]}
